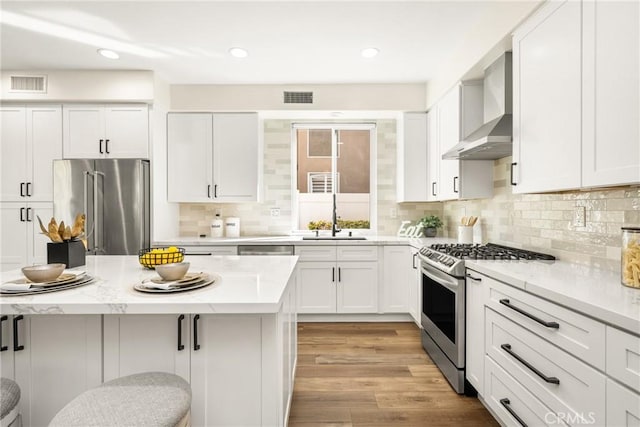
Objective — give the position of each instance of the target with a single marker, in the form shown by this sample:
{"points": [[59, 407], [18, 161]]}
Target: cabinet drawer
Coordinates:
{"points": [[623, 406], [623, 357], [562, 382], [579, 335], [316, 253], [511, 402], [357, 253]]}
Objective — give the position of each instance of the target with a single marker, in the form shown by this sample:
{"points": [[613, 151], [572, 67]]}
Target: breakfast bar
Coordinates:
{"points": [[234, 341]]}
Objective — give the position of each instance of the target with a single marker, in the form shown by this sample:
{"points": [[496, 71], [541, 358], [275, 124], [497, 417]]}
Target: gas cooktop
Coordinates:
{"points": [[449, 257]]}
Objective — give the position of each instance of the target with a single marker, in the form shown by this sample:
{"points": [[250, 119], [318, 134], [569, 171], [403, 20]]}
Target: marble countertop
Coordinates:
{"points": [[594, 292], [297, 240], [250, 284]]}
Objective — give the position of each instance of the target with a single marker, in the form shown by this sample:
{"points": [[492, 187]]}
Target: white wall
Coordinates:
{"points": [[84, 86], [403, 97], [483, 44], [165, 216]]}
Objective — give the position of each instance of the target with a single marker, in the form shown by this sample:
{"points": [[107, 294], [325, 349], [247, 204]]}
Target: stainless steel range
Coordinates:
{"points": [[443, 300]]}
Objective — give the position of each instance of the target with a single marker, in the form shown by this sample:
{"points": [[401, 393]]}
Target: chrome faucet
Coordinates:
{"points": [[334, 224]]}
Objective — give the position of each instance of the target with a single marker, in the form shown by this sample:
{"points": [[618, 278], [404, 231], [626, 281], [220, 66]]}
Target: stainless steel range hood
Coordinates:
{"points": [[492, 140]]}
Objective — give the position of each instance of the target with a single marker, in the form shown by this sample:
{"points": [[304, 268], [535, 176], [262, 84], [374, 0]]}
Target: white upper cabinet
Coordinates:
{"points": [[106, 131], [433, 155], [456, 115], [212, 157], [189, 154], [412, 159], [235, 157], [31, 140], [576, 95], [611, 93], [547, 102]]}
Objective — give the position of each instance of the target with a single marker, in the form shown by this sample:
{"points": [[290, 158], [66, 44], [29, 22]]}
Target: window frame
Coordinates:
{"points": [[373, 183]]}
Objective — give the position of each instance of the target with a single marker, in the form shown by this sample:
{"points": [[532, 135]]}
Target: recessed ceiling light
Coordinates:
{"points": [[369, 52], [108, 53], [238, 52]]}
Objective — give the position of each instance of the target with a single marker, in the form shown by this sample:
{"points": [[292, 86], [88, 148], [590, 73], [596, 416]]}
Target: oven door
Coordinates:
{"points": [[443, 308]]}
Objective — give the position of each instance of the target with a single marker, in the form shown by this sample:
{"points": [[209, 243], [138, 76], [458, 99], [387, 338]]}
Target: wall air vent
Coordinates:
{"points": [[28, 84], [298, 97]]}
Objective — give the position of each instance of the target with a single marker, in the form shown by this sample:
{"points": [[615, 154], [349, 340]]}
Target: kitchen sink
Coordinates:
{"points": [[334, 238]]}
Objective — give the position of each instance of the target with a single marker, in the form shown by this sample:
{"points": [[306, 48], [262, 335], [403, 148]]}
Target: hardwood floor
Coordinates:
{"points": [[373, 374]]}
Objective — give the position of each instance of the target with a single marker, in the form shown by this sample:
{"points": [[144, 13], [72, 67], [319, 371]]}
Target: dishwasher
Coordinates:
{"points": [[265, 249]]}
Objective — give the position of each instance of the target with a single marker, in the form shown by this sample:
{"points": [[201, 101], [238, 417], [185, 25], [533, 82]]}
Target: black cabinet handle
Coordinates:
{"points": [[333, 274], [551, 380], [106, 146], [2, 319], [196, 346], [180, 345], [22, 192], [22, 211], [29, 184], [413, 262], [29, 217], [477, 279], [339, 274], [208, 191], [16, 344], [100, 145], [215, 191], [553, 325], [455, 178], [512, 165], [505, 402], [433, 188]]}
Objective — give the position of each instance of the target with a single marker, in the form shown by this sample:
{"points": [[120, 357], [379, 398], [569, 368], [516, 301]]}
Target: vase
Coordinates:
{"points": [[72, 253], [430, 232]]}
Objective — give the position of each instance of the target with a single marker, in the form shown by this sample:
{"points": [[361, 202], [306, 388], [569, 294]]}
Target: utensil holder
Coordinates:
{"points": [[465, 234], [72, 253]]}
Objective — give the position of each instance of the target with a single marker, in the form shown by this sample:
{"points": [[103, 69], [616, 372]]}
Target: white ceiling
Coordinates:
{"points": [[292, 42]]}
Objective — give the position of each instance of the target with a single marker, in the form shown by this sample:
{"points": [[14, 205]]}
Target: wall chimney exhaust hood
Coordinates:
{"points": [[492, 140]]}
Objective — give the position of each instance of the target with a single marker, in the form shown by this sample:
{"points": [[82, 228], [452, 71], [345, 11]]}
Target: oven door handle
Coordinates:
{"points": [[444, 279]]}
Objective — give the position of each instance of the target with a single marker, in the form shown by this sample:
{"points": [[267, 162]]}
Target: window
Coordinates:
{"points": [[333, 159]]}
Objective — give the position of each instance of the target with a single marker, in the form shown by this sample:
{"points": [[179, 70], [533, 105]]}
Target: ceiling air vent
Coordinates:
{"points": [[298, 97], [29, 84]]}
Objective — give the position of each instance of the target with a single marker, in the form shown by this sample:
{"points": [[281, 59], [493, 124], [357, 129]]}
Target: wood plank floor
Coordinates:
{"points": [[373, 375]]}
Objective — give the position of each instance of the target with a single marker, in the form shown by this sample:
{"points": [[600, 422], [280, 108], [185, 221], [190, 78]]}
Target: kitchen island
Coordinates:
{"points": [[234, 341]]}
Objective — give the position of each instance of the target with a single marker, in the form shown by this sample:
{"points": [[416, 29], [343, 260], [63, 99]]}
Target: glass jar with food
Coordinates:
{"points": [[631, 256]]}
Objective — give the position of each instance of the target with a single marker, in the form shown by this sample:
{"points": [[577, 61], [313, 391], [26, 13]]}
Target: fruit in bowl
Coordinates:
{"points": [[151, 257], [43, 273]]}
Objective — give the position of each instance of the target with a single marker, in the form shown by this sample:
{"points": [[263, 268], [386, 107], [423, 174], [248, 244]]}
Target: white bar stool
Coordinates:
{"points": [[9, 400]]}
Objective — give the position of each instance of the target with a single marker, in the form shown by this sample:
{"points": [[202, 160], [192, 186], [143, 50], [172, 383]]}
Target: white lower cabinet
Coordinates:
{"points": [[146, 342], [512, 403], [54, 359], [415, 288], [210, 250], [21, 243], [474, 326], [337, 280], [544, 364], [623, 406], [240, 366], [396, 279]]}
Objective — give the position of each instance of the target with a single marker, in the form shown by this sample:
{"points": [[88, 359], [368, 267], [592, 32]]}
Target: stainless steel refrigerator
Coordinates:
{"points": [[113, 193]]}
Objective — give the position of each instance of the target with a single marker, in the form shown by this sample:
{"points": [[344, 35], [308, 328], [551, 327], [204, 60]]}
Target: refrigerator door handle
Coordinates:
{"points": [[97, 236], [85, 178]]}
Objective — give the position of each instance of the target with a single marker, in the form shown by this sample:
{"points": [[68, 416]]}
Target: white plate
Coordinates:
{"points": [[208, 280], [85, 280]]}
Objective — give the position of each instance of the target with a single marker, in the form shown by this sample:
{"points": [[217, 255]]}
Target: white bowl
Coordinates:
{"points": [[173, 271], [43, 273]]}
